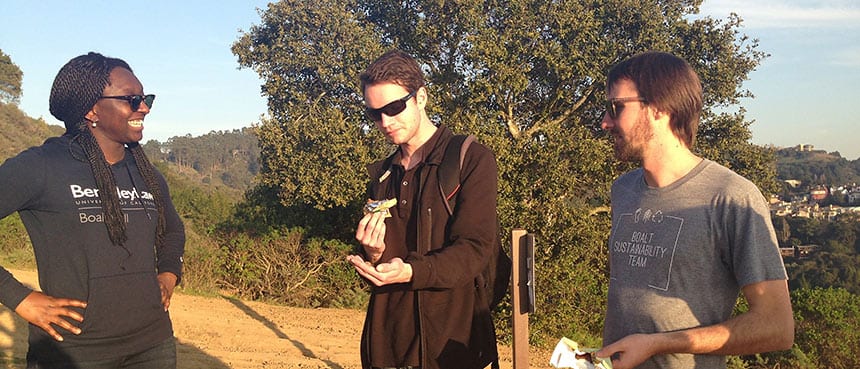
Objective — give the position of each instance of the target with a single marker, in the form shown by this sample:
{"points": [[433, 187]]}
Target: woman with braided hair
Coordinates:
{"points": [[108, 241]]}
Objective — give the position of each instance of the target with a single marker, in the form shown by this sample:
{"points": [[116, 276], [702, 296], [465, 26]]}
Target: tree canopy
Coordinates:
{"points": [[230, 158], [10, 80], [528, 78]]}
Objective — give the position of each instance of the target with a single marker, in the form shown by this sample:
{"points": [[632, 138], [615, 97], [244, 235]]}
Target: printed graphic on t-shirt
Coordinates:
{"points": [[643, 247], [90, 206]]}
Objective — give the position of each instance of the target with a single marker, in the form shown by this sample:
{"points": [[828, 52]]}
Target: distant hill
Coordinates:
{"points": [[816, 167], [231, 159], [218, 158], [223, 160], [20, 131]]}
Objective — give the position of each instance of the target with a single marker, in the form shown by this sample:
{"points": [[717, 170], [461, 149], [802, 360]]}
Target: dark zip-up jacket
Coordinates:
{"points": [[54, 191], [447, 255]]}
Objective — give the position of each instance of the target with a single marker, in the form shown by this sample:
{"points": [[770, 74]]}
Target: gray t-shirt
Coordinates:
{"points": [[680, 254]]}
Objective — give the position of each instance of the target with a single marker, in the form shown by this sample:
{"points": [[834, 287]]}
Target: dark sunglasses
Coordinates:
{"points": [[134, 100], [615, 106], [391, 109]]}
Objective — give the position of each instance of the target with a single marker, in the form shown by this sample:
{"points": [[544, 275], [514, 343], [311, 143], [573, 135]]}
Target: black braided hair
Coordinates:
{"points": [[147, 171], [76, 89]]}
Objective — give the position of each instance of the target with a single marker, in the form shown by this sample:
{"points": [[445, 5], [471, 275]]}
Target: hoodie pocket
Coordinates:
{"points": [[122, 305]]}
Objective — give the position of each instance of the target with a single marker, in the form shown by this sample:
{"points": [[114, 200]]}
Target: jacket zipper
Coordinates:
{"points": [[429, 233]]}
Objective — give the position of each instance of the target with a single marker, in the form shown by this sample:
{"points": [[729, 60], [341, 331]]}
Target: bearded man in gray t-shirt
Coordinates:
{"points": [[687, 234]]}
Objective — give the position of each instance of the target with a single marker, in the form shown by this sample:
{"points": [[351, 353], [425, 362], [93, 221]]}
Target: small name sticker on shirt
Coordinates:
{"points": [[384, 175]]}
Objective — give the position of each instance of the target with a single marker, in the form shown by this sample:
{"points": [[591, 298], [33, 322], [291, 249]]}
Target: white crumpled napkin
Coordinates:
{"points": [[564, 356]]}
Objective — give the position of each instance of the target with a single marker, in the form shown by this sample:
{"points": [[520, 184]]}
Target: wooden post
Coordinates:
{"points": [[519, 296]]}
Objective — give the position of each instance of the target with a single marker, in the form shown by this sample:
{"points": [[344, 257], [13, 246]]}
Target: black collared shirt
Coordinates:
{"points": [[394, 326]]}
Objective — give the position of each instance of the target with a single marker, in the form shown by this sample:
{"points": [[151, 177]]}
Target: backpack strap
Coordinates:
{"points": [[449, 169], [497, 274]]}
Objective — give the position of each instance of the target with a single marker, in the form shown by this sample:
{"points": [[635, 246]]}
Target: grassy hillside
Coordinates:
{"points": [[201, 202], [19, 131], [816, 167], [228, 159]]}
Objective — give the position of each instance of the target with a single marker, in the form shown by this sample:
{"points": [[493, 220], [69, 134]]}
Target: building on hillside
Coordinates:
{"points": [[805, 147], [782, 209], [807, 210], [829, 213], [798, 252], [853, 198], [793, 183], [818, 193], [800, 198], [773, 199]]}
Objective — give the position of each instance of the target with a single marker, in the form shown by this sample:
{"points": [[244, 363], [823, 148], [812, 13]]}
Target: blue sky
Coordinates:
{"points": [[180, 51], [806, 91]]}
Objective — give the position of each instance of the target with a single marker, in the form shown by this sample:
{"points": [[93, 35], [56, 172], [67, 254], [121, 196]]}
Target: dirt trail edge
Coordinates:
{"points": [[228, 333]]}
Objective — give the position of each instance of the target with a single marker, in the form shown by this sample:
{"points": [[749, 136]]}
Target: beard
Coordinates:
{"points": [[631, 147]]}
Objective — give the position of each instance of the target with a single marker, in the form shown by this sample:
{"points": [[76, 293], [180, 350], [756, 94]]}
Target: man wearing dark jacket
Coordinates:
{"points": [[426, 309]]}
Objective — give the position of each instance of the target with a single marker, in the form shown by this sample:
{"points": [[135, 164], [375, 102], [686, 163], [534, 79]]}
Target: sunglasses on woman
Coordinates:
{"points": [[391, 109], [134, 100], [615, 106]]}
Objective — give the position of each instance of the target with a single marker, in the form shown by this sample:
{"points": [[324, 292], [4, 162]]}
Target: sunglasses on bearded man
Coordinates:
{"points": [[391, 109], [615, 106]]}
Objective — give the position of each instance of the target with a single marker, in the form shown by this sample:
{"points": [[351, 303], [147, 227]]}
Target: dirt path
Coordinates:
{"points": [[222, 333]]}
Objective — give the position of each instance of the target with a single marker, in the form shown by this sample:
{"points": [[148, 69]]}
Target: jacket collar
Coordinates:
{"points": [[432, 151]]}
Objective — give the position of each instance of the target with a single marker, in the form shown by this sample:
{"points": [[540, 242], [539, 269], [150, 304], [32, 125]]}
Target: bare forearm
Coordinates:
{"points": [[767, 326], [745, 334]]}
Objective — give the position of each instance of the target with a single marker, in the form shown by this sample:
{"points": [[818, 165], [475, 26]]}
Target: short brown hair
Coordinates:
{"points": [[668, 83], [395, 67]]}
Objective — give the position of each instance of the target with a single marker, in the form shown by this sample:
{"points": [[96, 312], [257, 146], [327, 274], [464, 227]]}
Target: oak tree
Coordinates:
{"points": [[525, 76]]}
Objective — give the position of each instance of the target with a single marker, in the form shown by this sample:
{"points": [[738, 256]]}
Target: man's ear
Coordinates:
{"points": [[421, 97], [658, 115]]}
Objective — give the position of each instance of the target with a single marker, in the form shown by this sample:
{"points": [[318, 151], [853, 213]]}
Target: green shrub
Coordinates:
{"points": [[826, 327], [826, 336], [15, 247], [202, 269], [284, 267]]}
